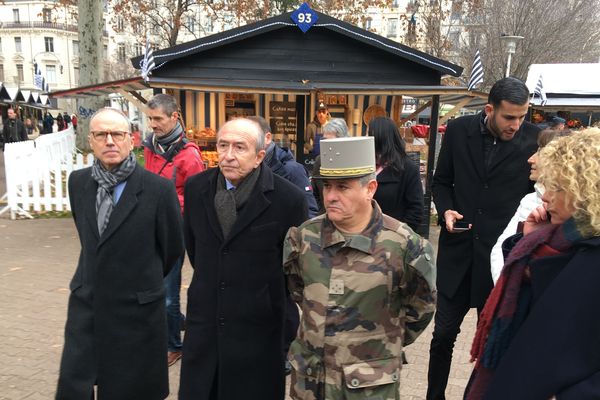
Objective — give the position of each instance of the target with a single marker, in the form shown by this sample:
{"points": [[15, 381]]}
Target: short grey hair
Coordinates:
{"points": [[337, 126], [114, 110], [262, 123], [165, 102], [364, 180]]}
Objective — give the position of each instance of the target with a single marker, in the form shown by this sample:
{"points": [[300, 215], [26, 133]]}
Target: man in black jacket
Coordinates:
{"points": [[14, 129], [481, 175], [235, 220]]}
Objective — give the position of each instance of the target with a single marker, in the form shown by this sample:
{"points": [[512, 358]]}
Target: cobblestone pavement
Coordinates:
{"points": [[37, 260]]}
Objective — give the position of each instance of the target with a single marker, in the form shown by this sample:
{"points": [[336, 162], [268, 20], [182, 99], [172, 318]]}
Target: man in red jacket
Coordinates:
{"points": [[168, 154]]}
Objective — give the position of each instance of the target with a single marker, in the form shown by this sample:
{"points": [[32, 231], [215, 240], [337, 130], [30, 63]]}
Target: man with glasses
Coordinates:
{"points": [[169, 154], [235, 220], [129, 226]]}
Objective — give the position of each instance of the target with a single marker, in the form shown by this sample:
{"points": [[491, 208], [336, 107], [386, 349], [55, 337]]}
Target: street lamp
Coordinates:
{"points": [[510, 44]]}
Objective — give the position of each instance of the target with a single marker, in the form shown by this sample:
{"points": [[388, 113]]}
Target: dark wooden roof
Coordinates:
{"points": [[275, 52]]}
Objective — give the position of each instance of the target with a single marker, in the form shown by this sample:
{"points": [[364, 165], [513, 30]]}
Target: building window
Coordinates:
{"points": [[120, 24], [76, 75], [20, 77], [18, 47], [368, 23], [395, 4], [191, 23], [105, 53], [49, 43], [16, 18], [47, 15], [139, 49], [1, 72], [392, 27], [0, 45], [51, 73], [121, 53], [76, 48]]}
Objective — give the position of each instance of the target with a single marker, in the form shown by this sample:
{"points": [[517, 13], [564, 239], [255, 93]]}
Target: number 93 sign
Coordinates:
{"points": [[305, 17]]}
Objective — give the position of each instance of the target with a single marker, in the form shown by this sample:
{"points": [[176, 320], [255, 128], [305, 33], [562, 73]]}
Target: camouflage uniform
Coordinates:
{"points": [[362, 297]]}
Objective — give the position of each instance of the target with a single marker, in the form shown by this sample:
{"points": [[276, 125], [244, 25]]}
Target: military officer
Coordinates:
{"points": [[365, 283]]}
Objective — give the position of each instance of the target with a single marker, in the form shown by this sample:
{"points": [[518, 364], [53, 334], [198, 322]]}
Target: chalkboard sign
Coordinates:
{"points": [[283, 117]]}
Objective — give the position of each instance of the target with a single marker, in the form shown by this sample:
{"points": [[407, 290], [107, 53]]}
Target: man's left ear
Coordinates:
{"points": [[372, 188], [488, 109], [175, 115], [260, 156]]}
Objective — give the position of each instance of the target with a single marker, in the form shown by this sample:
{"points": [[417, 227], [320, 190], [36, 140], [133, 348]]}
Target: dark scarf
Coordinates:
{"points": [[107, 180], [508, 305], [228, 202], [166, 145]]}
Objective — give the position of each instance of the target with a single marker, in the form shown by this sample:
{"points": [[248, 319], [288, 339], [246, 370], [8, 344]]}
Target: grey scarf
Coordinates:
{"points": [[228, 202], [107, 180]]}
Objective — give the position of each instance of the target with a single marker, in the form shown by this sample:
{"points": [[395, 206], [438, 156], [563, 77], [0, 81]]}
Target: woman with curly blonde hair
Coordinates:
{"points": [[538, 336]]}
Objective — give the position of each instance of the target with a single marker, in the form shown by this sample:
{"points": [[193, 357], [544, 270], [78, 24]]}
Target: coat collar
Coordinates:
{"points": [[122, 209], [256, 204]]}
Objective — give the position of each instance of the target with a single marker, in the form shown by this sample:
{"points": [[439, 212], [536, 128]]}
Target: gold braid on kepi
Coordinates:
{"points": [[325, 172]]}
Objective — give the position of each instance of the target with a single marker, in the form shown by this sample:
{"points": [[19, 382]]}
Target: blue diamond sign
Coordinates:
{"points": [[305, 17]]}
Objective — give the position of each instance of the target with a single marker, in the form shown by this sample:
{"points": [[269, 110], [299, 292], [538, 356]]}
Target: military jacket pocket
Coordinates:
{"points": [[373, 379]]}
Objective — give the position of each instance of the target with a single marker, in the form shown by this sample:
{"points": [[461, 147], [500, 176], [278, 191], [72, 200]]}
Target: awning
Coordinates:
{"points": [[103, 89]]}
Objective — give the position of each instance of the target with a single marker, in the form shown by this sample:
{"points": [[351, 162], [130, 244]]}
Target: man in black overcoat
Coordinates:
{"points": [[235, 220], [481, 175], [129, 226]]}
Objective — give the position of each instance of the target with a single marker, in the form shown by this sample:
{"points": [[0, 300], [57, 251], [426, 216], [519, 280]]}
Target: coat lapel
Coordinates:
{"points": [[208, 200], [256, 204], [89, 204], [505, 150], [475, 145], [125, 205]]}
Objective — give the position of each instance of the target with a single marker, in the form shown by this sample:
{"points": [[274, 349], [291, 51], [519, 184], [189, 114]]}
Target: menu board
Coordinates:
{"points": [[282, 117]]}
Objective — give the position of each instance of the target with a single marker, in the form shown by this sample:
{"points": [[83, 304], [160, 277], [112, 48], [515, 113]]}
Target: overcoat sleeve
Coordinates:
{"points": [[169, 237], [443, 179]]}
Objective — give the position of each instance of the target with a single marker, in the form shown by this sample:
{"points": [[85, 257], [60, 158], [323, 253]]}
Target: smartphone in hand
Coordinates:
{"points": [[461, 226]]}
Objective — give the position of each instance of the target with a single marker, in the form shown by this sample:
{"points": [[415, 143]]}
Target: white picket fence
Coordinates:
{"points": [[37, 172]]}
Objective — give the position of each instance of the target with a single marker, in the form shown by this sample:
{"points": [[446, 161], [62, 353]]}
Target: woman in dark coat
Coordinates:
{"points": [[538, 336], [399, 191]]}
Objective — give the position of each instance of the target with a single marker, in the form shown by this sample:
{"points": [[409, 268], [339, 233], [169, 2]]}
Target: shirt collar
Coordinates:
{"points": [[228, 185]]}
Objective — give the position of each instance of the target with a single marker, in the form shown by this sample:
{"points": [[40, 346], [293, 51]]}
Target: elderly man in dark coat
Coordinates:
{"points": [[235, 219], [129, 226], [481, 175]]}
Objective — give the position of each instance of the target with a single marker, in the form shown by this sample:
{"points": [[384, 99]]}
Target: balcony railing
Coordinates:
{"points": [[42, 25]]}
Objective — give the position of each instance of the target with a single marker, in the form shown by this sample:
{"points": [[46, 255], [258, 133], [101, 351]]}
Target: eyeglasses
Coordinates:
{"points": [[101, 136]]}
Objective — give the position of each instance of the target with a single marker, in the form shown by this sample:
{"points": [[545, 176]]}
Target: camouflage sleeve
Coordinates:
{"points": [[418, 284], [291, 267]]}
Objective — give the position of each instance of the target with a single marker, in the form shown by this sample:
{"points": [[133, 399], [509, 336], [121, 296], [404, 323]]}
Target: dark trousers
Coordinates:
{"points": [[174, 316], [449, 316]]}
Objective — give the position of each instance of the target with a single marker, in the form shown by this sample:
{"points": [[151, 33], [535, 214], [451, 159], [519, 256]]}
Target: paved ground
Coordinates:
{"points": [[37, 260]]}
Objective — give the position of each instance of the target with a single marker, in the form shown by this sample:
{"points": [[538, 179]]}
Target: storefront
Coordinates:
{"points": [[273, 69]]}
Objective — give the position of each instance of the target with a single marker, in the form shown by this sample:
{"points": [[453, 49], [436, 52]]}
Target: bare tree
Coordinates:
{"points": [[554, 31], [91, 63]]}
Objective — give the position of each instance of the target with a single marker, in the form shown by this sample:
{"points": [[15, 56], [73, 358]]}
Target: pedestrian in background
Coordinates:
{"points": [[13, 130], [399, 188], [365, 283], [169, 154], [235, 220], [481, 175], [129, 225]]}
